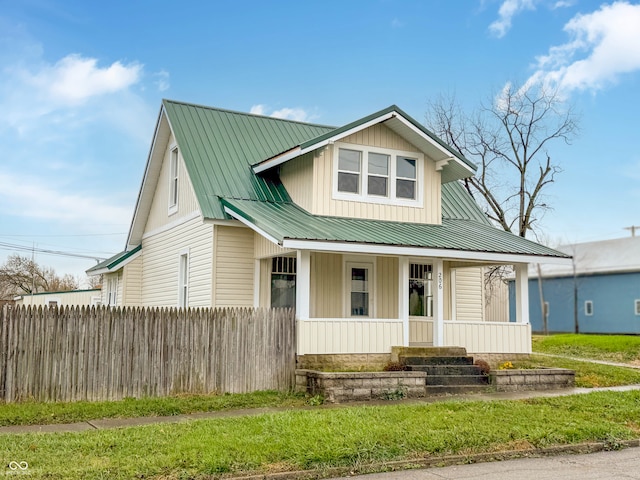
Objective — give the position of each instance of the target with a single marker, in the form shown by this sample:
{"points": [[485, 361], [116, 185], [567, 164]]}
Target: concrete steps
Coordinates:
{"points": [[449, 370]]}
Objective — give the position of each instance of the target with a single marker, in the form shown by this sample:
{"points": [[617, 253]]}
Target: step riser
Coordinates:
{"points": [[457, 380], [437, 360], [455, 389], [446, 369]]}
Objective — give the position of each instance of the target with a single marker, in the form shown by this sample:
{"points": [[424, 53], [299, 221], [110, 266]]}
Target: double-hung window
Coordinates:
{"points": [[349, 166], [377, 175], [173, 181], [588, 308], [360, 294], [183, 280], [637, 305]]}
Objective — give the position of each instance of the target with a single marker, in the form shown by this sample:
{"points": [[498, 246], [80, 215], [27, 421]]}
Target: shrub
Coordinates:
{"points": [[483, 366], [394, 367]]}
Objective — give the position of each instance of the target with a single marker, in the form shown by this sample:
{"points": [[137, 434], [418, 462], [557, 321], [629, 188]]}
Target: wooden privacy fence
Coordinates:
{"points": [[103, 353]]}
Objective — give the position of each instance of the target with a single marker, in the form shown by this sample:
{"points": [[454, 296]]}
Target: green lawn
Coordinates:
{"points": [[614, 348], [40, 413], [315, 439]]}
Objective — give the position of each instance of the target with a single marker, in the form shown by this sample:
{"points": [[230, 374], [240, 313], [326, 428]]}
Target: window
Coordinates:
{"points": [[53, 303], [588, 308], [377, 175], [377, 183], [183, 281], [637, 307], [112, 291], [349, 162], [420, 290], [360, 293], [283, 282], [173, 181], [406, 177]]}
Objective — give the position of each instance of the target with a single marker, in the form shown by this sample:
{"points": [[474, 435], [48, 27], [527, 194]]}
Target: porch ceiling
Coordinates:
{"points": [[287, 223]]}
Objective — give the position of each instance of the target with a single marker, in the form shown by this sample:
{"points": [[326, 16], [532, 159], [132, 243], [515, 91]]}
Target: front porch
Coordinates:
{"points": [[354, 304]]}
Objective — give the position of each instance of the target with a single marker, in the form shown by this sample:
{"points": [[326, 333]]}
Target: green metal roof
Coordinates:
{"points": [[457, 202], [286, 220], [219, 147], [115, 261]]}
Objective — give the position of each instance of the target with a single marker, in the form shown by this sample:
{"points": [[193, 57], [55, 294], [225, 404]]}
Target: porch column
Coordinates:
{"points": [[438, 303], [403, 297], [522, 293], [303, 284]]}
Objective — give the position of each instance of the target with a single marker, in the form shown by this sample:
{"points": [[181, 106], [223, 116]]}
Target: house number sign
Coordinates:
{"points": [[439, 280]]}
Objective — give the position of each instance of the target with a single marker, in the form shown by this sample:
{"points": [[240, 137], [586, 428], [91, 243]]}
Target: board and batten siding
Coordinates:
{"points": [[132, 283], [348, 335], [327, 293], [187, 201], [387, 287], [469, 293], [234, 266], [161, 260], [489, 337], [309, 181], [378, 136]]}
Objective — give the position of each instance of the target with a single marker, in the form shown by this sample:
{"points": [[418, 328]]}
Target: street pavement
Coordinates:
{"points": [[614, 465]]}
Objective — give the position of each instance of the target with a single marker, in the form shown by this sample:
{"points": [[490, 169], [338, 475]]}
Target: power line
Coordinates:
{"points": [[23, 248]]}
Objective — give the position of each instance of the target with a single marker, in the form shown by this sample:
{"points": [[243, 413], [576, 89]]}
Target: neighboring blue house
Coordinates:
{"points": [[605, 280]]}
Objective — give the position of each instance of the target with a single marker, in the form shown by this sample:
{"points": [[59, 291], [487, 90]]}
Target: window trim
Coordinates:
{"points": [[184, 270], [174, 178], [359, 262], [362, 195], [588, 308]]}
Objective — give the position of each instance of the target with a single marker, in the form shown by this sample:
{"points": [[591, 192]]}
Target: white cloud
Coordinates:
{"points": [[507, 11], [34, 198], [162, 80], [297, 114], [603, 45], [74, 79]]}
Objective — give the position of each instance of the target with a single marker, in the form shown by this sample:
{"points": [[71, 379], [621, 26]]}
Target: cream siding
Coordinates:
{"points": [[132, 283], [496, 304], [234, 267], [469, 293], [379, 136], [297, 177], [330, 336], [187, 202], [62, 299], [161, 259], [265, 248], [420, 331], [489, 337], [265, 282]]}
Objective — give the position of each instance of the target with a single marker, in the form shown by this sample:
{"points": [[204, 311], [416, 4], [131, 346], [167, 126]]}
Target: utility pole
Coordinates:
{"points": [[633, 228]]}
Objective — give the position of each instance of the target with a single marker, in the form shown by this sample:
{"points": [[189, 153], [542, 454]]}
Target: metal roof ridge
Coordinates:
{"points": [[248, 114]]}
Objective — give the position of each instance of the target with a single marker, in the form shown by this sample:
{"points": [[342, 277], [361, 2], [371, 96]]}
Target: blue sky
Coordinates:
{"points": [[82, 82]]}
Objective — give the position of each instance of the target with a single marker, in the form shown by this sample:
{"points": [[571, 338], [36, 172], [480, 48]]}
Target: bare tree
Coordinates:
{"points": [[509, 140], [20, 275]]}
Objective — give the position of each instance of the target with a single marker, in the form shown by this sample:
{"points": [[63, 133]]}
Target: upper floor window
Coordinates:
{"points": [[173, 181], [377, 175]]}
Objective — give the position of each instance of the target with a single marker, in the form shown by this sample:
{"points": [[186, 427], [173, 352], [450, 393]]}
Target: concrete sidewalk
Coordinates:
{"points": [[107, 423]]}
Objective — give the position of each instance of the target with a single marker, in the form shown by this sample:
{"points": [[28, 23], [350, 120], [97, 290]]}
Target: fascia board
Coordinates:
{"points": [[418, 252], [274, 162], [142, 193]]}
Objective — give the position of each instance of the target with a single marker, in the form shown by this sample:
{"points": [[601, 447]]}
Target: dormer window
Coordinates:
{"points": [[377, 175]]}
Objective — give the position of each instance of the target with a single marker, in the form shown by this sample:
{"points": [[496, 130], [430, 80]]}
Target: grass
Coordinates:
{"points": [[588, 375], [316, 439], [613, 348], [39, 413]]}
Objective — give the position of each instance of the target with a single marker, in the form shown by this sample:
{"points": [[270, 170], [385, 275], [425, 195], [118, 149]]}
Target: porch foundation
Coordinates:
{"points": [[352, 361]]}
